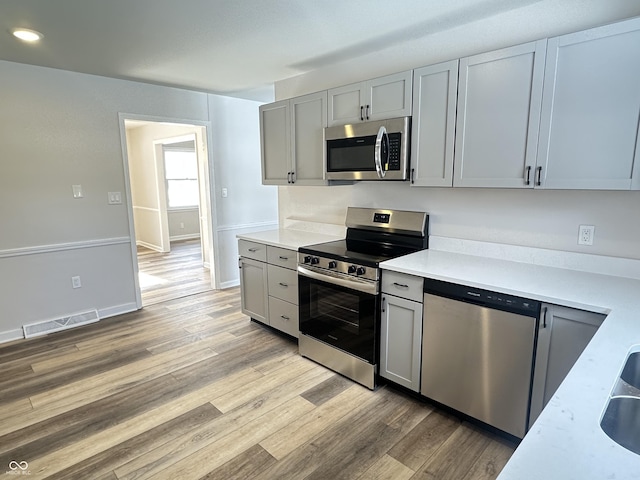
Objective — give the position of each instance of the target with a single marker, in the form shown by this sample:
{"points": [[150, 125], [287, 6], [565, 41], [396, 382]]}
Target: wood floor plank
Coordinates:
{"points": [[133, 396], [387, 468], [242, 467], [455, 458]]}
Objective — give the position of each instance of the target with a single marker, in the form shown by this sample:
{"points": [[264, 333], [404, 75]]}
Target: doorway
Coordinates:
{"points": [[170, 211]]}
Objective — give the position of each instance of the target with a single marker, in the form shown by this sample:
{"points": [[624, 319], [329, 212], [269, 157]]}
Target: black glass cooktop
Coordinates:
{"points": [[363, 253]]}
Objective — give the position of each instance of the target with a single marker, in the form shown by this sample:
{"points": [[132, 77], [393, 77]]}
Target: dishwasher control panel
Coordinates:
{"points": [[464, 293]]}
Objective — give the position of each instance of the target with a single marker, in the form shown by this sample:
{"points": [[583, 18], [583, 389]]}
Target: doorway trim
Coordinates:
{"points": [[209, 189]]}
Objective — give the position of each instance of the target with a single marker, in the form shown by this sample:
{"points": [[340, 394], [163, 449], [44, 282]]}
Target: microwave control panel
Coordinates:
{"points": [[394, 152]]}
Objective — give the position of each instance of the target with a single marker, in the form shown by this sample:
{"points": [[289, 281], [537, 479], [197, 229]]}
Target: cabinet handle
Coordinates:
{"points": [[400, 285], [413, 171], [253, 250], [383, 300], [288, 177], [361, 114], [544, 317], [367, 115], [539, 180], [283, 258], [283, 284], [528, 170], [284, 317], [293, 175]]}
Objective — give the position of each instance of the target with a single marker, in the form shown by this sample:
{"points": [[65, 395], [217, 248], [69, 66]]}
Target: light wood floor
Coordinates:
{"points": [[192, 389], [166, 276]]}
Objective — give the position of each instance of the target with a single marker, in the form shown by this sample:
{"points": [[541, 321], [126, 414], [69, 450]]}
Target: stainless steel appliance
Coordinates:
{"points": [[477, 353], [339, 289], [376, 150]]}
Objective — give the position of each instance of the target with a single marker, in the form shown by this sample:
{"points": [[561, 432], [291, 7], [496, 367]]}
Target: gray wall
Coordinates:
{"points": [[61, 128], [544, 219]]}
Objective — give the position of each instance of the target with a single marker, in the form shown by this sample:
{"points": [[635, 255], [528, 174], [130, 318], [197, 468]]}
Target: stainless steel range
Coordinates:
{"points": [[339, 288]]}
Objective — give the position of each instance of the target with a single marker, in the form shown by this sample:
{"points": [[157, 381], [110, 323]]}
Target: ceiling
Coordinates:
{"points": [[232, 47]]}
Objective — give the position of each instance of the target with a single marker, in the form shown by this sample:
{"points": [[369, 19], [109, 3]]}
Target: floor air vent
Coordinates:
{"points": [[50, 326]]}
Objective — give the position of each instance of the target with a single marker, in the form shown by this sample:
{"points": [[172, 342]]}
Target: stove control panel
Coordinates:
{"points": [[339, 266]]}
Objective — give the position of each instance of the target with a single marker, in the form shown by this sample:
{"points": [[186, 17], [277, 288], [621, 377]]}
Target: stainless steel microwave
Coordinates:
{"points": [[376, 150]]}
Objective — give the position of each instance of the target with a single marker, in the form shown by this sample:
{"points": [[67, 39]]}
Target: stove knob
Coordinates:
{"points": [[360, 271], [315, 260], [333, 264], [307, 259], [351, 269]]}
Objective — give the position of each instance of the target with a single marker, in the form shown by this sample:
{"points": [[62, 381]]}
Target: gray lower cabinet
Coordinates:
{"points": [[401, 329], [269, 285], [253, 289], [563, 334]]}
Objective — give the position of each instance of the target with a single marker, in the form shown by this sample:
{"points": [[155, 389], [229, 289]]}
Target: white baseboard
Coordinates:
{"points": [[150, 246], [18, 334], [229, 284], [11, 335], [117, 310], [190, 236]]}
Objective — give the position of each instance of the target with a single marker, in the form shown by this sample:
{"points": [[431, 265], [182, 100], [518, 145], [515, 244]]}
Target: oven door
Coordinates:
{"points": [[339, 311]]}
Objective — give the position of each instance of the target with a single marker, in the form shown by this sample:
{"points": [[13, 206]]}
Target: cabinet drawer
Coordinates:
{"points": [[403, 285], [257, 251], [282, 257], [283, 316], [283, 283]]}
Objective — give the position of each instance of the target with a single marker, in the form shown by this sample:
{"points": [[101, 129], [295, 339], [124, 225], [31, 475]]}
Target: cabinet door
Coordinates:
{"points": [[388, 97], [345, 104], [435, 90], [563, 334], [275, 141], [590, 110], [308, 119], [499, 100], [253, 289], [400, 341]]}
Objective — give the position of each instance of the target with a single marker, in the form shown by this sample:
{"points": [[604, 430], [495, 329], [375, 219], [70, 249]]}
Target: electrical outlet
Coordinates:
{"points": [[115, 198], [75, 282], [585, 234], [224, 193]]}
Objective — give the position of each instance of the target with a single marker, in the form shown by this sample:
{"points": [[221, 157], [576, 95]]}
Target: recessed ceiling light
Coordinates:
{"points": [[26, 34]]}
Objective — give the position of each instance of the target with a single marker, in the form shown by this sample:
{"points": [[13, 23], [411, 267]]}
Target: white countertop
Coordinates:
{"points": [[288, 238], [566, 441]]}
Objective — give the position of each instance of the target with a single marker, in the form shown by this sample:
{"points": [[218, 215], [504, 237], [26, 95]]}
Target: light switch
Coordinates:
{"points": [[115, 198], [77, 191], [224, 193]]}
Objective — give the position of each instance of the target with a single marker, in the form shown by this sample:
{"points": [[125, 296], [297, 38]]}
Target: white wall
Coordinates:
{"points": [[61, 128], [544, 219], [249, 206]]}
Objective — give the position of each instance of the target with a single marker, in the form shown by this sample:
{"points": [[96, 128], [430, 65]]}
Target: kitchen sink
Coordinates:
{"points": [[631, 371], [621, 419], [621, 422]]}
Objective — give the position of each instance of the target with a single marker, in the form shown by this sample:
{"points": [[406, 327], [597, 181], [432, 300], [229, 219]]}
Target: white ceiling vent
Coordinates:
{"points": [[63, 323]]}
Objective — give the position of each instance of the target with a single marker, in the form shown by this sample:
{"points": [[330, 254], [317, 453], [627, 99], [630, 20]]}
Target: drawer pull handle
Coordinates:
{"points": [[283, 284], [400, 285], [253, 250], [284, 317], [283, 258]]}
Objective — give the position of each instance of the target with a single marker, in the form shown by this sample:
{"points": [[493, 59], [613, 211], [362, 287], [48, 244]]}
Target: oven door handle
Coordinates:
{"points": [[352, 283]]}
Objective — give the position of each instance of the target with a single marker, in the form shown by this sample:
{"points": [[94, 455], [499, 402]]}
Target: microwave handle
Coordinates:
{"points": [[382, 148]]}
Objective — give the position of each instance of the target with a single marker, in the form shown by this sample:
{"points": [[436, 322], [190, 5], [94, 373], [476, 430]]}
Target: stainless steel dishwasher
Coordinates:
{"points": [[477, 353]]}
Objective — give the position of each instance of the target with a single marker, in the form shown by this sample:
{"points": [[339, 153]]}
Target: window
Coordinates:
{"points": [[181, 173]]}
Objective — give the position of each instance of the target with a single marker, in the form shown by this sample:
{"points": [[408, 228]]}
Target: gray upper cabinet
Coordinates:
{"points": [[275, 140], [292, 140], [435, 91], [499, 102], [590, 111], [377, 99]]}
